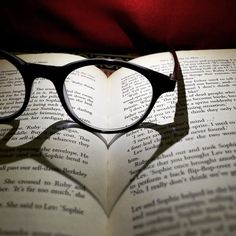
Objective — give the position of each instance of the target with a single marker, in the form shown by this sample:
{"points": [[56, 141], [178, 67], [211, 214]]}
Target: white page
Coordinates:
{"points": [[189, 188]]}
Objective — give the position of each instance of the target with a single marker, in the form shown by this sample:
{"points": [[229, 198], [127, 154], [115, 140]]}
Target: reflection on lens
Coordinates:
{"points": [[108, 100], [12, 89]]}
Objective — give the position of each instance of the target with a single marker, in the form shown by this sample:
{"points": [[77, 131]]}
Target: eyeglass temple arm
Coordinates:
{"points": [[12, 58], [174, 75]]}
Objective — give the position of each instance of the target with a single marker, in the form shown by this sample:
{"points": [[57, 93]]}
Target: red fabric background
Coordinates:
{"points": [[117, 25]]}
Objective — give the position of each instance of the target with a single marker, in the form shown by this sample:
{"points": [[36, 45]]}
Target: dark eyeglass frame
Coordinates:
{"points": [[57, 75]]}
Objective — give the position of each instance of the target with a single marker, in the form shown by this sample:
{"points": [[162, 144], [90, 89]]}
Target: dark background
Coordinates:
{"points": [[117, 26]]}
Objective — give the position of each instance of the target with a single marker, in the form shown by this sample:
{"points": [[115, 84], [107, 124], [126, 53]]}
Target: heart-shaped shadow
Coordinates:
{"points": [[88, 162], [85, 161], [104, 168]]}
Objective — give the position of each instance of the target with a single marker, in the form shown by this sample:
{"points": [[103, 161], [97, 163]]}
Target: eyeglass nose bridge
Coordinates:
{"points": [[52, 73]]}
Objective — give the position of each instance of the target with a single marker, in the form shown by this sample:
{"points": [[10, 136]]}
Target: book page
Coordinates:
{"points": [[53, 173], [186, 156]]}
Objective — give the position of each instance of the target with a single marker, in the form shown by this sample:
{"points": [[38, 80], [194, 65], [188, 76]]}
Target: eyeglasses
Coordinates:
{"points": [[96, 102]]}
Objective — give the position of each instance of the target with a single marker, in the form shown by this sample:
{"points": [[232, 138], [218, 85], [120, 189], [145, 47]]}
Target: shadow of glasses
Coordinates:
{"points": [[169, 135]]}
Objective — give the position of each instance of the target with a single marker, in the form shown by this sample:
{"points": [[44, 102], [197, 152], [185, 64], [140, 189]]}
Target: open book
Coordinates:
{"points": [[173, 175]]}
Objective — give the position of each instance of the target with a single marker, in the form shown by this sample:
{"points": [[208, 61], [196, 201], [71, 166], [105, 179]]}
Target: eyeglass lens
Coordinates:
{"points": [[12, 89], [108, 100]]}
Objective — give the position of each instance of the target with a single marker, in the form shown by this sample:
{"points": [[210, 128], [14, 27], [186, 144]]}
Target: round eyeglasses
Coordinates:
{"points": [[106, 102]]}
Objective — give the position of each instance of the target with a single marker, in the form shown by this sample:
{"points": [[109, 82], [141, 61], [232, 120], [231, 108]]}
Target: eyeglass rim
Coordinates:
{"points": [[29, 72]]}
